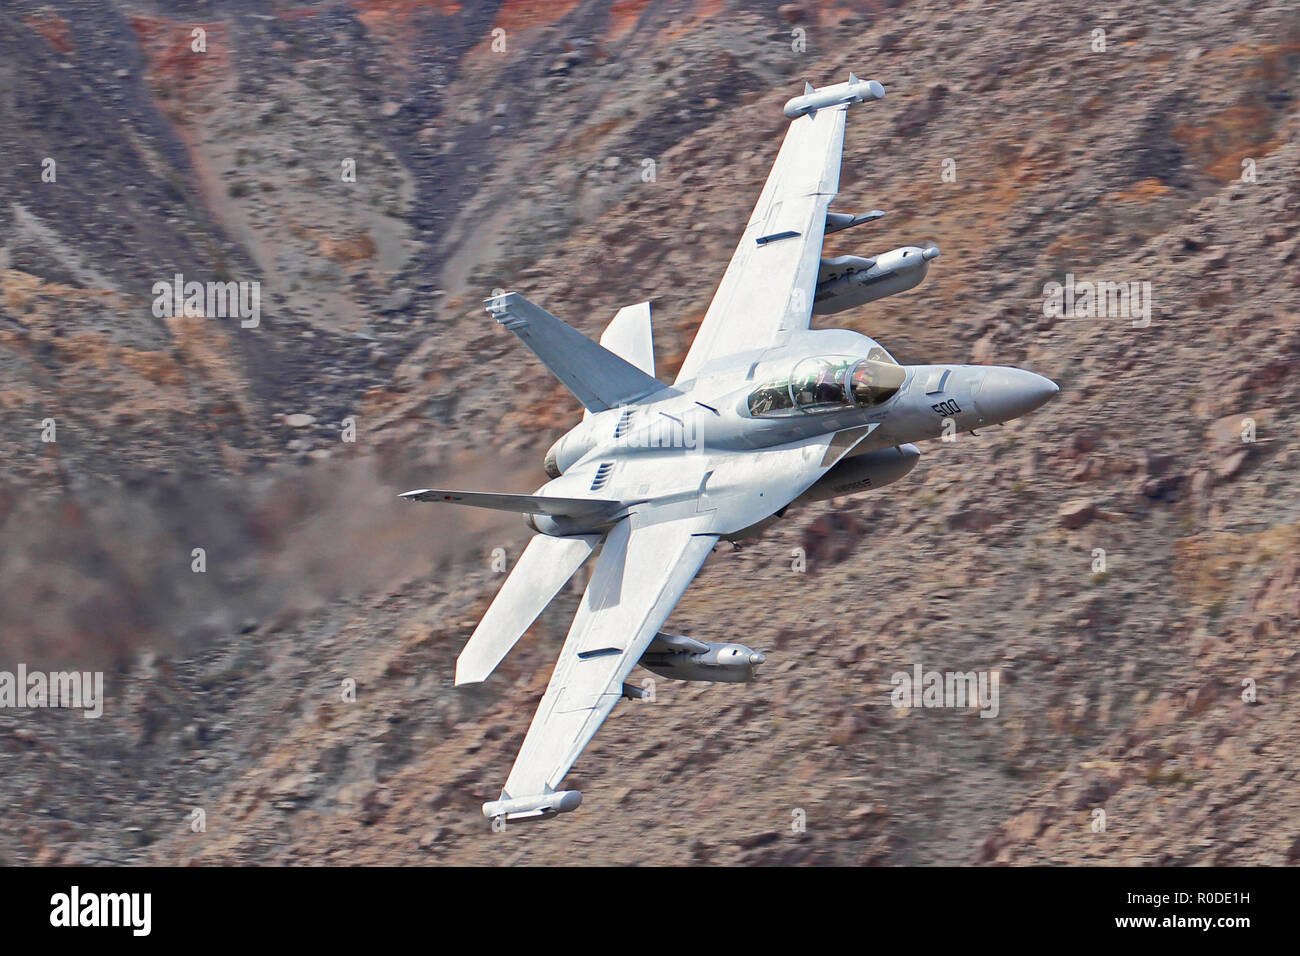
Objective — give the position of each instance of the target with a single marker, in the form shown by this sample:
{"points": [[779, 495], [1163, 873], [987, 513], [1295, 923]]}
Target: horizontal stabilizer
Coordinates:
{"points": [[599, 378], [525, 504], [545, 566]]}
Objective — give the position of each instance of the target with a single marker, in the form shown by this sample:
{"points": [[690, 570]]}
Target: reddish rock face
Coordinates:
{"points": [[1076, 513], [380, 167]]}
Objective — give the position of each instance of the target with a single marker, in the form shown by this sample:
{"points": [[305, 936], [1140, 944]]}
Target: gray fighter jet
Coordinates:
{"points": [[765, 414]]}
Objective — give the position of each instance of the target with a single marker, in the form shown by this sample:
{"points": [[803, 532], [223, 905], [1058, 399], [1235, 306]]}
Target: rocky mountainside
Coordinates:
{"points": [[591, 155]]}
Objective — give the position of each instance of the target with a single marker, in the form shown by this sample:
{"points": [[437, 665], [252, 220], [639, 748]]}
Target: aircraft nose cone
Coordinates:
{"points": [[1007, 393]]}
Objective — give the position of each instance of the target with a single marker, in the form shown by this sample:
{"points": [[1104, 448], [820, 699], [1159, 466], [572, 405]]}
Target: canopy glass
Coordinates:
{"points": [[829, 384]]}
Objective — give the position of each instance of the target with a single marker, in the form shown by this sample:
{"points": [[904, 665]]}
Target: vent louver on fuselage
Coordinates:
{"points": [[602, 475], [624, 423]]}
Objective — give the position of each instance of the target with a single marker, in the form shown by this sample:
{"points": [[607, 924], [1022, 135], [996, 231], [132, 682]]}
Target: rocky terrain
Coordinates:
{"points": [[592, 155]]}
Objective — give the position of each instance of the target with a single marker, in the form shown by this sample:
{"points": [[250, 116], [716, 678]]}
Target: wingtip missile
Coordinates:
{"points": [[534, 808], [839, 94]]}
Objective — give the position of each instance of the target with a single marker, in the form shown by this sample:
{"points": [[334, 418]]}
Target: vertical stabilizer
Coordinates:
{"points": [[598, 377], [629, 336]]}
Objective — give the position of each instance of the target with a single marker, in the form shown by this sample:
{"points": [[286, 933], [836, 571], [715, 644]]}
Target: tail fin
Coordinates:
{"points": [[629, 335], [545, 566], [596, 375]]}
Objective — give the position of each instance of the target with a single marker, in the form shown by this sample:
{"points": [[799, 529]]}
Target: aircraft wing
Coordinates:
{"points": [[642, 571], [768, 287]]}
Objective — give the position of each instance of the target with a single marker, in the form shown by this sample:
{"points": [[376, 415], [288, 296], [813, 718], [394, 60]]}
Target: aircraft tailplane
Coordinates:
{"points": [[544, 567], [523, 504]]}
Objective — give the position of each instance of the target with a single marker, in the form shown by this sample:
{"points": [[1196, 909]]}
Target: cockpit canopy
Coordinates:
{"points": [[829, 384]]}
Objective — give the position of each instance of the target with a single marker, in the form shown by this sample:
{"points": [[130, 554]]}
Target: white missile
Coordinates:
{"points": [[538, 807], [854, 91]]}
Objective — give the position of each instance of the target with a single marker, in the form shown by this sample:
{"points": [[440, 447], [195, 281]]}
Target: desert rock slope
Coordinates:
{"points": [[592, 155]]}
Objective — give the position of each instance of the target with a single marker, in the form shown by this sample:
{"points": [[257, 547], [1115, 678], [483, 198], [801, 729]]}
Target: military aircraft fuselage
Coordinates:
{"points": [[818, 382]]}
